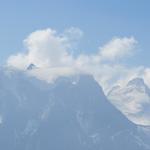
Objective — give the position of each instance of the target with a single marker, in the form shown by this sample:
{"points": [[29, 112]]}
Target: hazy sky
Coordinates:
{"points": [[100, 20]]}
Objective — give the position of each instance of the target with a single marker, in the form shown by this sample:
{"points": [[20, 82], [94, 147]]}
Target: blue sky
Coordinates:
{"points": [[100, 20]]}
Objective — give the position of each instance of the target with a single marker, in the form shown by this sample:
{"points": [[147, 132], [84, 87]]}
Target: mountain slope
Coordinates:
{"points": [[72, 113]]}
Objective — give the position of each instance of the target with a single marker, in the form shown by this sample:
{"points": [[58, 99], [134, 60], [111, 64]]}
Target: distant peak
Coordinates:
{"points": [[114, 88], [136, 82], [31, 66]]}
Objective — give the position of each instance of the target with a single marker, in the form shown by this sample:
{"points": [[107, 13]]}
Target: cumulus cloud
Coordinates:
{"points": [[52, 53], [146, 76], [118, 48], [46, 48]]}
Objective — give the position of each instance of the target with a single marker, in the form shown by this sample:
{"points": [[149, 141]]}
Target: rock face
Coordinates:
{"points": [[133, 100], [31, 66], [70, 114]]}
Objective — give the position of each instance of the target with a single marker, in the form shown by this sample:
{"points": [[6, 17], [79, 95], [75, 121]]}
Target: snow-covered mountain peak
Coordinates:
{"points": [[133, 100], [137, 82], [31, 66]]}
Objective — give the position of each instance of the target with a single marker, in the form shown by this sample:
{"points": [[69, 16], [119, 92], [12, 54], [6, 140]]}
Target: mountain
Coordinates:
{"points": [[31, 66], [133, 100], [70, 114]]}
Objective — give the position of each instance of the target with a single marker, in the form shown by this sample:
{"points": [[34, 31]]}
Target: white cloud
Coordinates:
{"points": [[46, 48], [146, 76], [52, 54], [117, 48], [50, 74]]}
